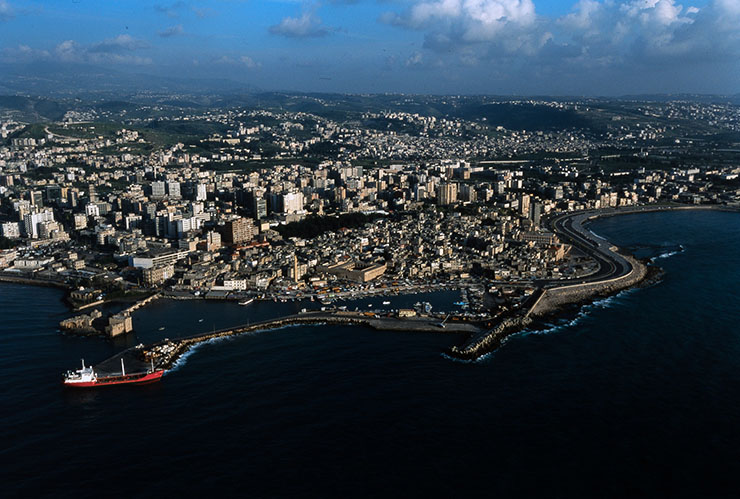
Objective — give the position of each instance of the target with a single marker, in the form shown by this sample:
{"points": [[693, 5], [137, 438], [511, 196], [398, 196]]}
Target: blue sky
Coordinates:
{"points": [[568, 47]]}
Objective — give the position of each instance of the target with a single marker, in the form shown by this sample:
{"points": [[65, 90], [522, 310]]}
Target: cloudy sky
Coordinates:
{"points": [[558, 47]]}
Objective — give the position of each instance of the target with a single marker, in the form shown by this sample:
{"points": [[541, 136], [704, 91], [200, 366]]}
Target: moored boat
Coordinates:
{"points": [[87, 377]]}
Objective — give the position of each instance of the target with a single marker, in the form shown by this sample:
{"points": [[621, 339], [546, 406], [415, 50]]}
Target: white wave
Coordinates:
{"points": [[477, 360], [597, 235], [182, 359], [669, 253], [566, 324], [582, 313]]}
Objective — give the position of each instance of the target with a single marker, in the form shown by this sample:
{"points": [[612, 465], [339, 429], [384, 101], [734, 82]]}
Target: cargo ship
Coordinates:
{"points": [[87, 377]]}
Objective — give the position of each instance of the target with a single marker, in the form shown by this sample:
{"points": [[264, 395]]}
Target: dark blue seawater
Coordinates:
{"points": [[638, 396]]}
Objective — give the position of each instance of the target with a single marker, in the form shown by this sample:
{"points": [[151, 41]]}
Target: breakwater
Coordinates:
{"points": [[554, 299], [164, 354], [617, 272], [547, 302]]}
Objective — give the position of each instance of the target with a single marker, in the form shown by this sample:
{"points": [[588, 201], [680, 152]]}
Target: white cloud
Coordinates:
{"points": [[415, 60], [599, 30], [23, 53], [243, 60], [308, 25], [172, 31], [469, 21], [118, 50], [249, 62], [121, 43], [172, 11], [6, 11]]}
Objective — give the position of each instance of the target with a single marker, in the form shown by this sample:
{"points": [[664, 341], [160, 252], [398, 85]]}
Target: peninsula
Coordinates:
{"points": [[310, 198]]}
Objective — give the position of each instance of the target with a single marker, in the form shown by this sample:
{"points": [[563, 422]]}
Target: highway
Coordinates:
{"points": [[569, 228]]}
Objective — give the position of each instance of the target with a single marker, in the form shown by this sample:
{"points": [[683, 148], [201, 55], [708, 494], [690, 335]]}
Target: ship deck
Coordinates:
{"points": [[131, 359]]}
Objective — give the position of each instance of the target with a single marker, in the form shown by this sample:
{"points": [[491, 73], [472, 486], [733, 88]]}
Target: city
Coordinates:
{"points": [[293, 205], [370, 248]]}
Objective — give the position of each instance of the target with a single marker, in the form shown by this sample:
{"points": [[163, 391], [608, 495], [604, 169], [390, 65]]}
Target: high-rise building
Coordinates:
{"points": [[292, 202], [200, 192], [536, 213], [213, 241], [73, 198], [260, 208], [238, 231], [524, 205], [47, 229], [468, 193], [32, 220], [80, 221], [173, 189], [37, 199], [11, 230], [53, 193], [92, 210], [158, 189], [446, 194]]}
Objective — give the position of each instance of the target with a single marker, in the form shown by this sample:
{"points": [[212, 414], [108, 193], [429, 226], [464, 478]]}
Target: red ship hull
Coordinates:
{"points": [[128, 379]]}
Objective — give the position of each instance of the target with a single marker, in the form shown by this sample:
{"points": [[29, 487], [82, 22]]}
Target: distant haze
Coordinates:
{"points": [[503, 47]]}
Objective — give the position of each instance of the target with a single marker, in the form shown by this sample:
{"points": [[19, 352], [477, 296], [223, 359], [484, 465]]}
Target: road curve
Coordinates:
{"points": [[569, 228]]}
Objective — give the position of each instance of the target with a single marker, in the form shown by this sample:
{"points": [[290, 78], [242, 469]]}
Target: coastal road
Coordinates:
{"points": [[569, 227]]}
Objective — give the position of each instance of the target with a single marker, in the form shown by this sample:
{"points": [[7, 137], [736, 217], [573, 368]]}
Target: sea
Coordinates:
{"points": [[637, 395]]}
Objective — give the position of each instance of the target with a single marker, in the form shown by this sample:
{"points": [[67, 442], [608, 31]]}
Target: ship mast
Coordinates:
{"points": [[123, 369]]}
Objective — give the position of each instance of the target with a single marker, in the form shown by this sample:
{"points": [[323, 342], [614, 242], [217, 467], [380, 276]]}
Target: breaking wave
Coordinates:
{"points": [[597, 235], [182, 359], [550, 328], [669, 254]]}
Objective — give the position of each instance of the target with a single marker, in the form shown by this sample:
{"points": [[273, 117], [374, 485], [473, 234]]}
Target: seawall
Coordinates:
{"points": [[554, 299]]}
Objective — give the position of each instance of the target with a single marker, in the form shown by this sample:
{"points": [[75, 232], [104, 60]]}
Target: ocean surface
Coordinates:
{"points": [[636, 396]]}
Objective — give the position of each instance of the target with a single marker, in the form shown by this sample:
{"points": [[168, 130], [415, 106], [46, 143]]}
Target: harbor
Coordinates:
{"points": [[483, 332], [163, 354]]}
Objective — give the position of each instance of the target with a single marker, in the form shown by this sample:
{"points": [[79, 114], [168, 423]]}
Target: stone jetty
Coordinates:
{"points": [[163, 354]]}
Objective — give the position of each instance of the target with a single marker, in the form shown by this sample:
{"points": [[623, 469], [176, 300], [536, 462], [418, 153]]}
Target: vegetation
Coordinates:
{"points": [[314, 225], [6, 243]]}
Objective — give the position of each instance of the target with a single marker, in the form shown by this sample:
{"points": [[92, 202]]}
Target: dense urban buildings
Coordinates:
{"points": [[231, 201]]}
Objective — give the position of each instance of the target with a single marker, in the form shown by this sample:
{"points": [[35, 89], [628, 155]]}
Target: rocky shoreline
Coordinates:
{"points": [[554, 303]]}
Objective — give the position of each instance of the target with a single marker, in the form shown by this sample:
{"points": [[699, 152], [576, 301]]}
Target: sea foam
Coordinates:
{"points": [[551, 328], [669, 253], [182, 359]]}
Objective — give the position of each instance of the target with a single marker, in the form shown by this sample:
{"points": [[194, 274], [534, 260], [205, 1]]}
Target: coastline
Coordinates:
{"points": [[550, 300], [33, 282], [553, 301]]}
